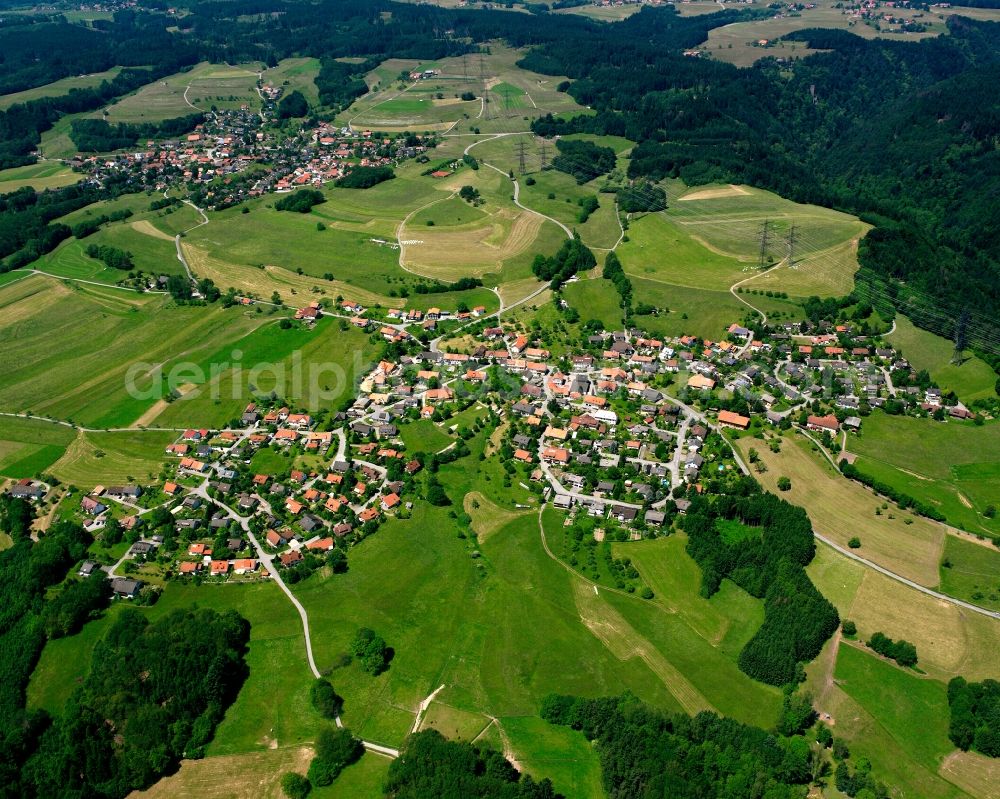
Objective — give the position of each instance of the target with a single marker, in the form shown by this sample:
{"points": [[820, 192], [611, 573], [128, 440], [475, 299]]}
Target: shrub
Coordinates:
{"points": [[326, 701], [854, 543], [295, 786]]}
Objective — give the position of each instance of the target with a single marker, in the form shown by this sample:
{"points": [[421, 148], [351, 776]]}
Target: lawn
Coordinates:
{"points": [[971, 380], [972, 573], [952, 465], [423, 436]]}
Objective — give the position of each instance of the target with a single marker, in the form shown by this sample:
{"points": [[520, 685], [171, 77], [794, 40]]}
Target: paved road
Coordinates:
{"points": [[847, 553], [267, 561]]}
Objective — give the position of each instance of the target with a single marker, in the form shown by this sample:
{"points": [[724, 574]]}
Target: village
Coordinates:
{"points": [[238, 154], [623, 429]]}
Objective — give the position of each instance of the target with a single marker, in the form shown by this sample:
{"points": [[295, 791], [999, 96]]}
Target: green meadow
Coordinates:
{"points": [[57, 88], [30, 446], [77, 343], [971, 380], [952, 465], [971, 571], [40, 176]]}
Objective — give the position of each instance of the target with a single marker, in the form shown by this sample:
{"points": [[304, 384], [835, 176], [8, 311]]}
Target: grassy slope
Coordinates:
{"points": [[76, 344], [57, 88], [28, 446], [971, 380], [974, 573], [40, 176], [941, 463], [841, 509]]}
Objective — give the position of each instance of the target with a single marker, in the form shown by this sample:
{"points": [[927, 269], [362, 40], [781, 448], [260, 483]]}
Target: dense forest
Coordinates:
{"points": [[154, 694], [768, 563], [975, 715], [430, 765], [646, 753]]}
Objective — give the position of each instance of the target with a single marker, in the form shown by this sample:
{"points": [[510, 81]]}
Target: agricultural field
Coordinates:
{"points": [[40, 176], [971, 380], [493, 667], [126, 456], [76, 343], [30, 446], [601, 13], [709, 238], [841, 509], [295, 74], [198, 89], [970, 570], [736, 43], [895, 718], [58, 88], [951, 465], [313, 368], [506, 95], [595, 298]]}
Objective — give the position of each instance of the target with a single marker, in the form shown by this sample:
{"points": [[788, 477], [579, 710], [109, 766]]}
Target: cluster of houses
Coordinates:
{"points": [[215, 159]]}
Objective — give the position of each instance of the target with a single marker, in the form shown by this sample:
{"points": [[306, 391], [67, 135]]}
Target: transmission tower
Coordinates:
{"points": [[520, 154], [764, 235], [791, 246], [544, 155]]}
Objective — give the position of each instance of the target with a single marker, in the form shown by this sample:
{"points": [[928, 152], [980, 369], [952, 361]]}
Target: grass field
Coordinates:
{"points": [[708, 238], [595, 298], [423, 436], [29, 446], [559, 753], [40, 176], [117, 457], [511, 94], [972, 379], [735, 43], [272, 709], [76, 344], [295, 74], [842, 509], [953, 466], [185, 93], [58, 88], [700, 312], [309, 367], [973, 573], [885, 716], [152, 252]]}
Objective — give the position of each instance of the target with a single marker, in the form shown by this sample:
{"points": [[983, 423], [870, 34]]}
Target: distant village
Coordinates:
{"points": [[237, 154]]}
